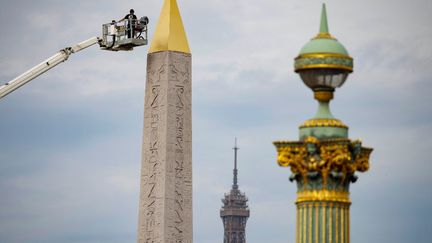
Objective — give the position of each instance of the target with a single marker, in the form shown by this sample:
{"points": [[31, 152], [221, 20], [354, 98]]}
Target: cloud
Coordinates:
{"points": [[70, 157]]}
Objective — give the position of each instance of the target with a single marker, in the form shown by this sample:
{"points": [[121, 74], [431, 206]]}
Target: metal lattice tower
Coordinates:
{"points": [[235, 211]]}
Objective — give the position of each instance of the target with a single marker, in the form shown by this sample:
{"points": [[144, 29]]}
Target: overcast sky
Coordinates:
{"points": [[70, 140]]}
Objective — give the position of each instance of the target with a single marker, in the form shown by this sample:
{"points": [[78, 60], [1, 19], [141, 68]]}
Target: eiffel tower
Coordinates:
{"points": [[235, 211]]}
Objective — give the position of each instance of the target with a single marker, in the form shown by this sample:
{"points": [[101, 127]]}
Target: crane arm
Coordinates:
{"points": [[46, 65]]}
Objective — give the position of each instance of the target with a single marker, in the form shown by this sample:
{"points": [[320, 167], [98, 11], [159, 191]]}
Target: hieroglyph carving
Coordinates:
{"points": [[176, 226], [151, 167], [166, 185]]}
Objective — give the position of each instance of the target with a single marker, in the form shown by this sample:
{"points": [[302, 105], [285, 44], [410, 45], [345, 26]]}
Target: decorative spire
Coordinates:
{"points": [[170, 34], [323, 56], [323, 25], [235, 186], [324, 30]]}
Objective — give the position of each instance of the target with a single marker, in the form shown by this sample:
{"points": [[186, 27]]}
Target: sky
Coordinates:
{"points": [[70, 140]]}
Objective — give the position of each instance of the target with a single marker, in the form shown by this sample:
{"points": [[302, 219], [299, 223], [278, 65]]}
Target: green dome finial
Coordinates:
{"points": [[323, 51], [323, 25]]}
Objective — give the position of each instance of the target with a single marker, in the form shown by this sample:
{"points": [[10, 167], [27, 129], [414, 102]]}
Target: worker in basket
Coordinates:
{"points": [[131, 23]]}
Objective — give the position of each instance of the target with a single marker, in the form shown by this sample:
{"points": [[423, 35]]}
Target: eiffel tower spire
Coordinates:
{"points": [[234, 211], [235, 172]]}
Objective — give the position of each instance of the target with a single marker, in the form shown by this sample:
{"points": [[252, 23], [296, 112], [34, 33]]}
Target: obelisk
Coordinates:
{"points": [[165, 207]]}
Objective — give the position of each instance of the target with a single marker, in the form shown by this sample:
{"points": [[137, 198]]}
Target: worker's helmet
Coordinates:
{"points": [[131, 11]]}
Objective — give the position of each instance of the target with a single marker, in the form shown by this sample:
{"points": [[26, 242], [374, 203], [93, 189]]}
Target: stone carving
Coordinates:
{"points": [[166, 180], [151, 160]]}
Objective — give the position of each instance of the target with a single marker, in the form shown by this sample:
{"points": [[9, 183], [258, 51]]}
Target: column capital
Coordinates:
{"points": [[323, 164]]}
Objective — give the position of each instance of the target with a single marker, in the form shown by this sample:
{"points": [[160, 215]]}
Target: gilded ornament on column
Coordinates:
{"points": [[342, 157]]}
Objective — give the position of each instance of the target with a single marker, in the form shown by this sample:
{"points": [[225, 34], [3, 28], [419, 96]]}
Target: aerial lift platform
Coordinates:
{"points": [[116, 36]]}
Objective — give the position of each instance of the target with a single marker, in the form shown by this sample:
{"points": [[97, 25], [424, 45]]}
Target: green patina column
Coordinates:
{"points": [[324, 160]]}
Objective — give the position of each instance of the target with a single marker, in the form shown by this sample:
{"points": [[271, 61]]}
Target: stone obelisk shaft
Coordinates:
{"points": [[165, 208], [166, 176]]}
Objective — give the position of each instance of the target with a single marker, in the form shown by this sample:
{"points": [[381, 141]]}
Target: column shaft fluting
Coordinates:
{"points": [[322, 222]]}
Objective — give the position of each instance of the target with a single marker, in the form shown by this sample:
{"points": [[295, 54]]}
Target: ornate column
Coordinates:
{"points": [[324, 161]]}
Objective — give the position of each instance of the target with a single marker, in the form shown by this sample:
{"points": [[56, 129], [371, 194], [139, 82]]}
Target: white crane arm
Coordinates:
{"points": [[44, 66]]}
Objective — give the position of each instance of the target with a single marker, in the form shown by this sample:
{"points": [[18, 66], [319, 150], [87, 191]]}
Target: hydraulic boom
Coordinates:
{"points": [[44, 66], [116, 36]]}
